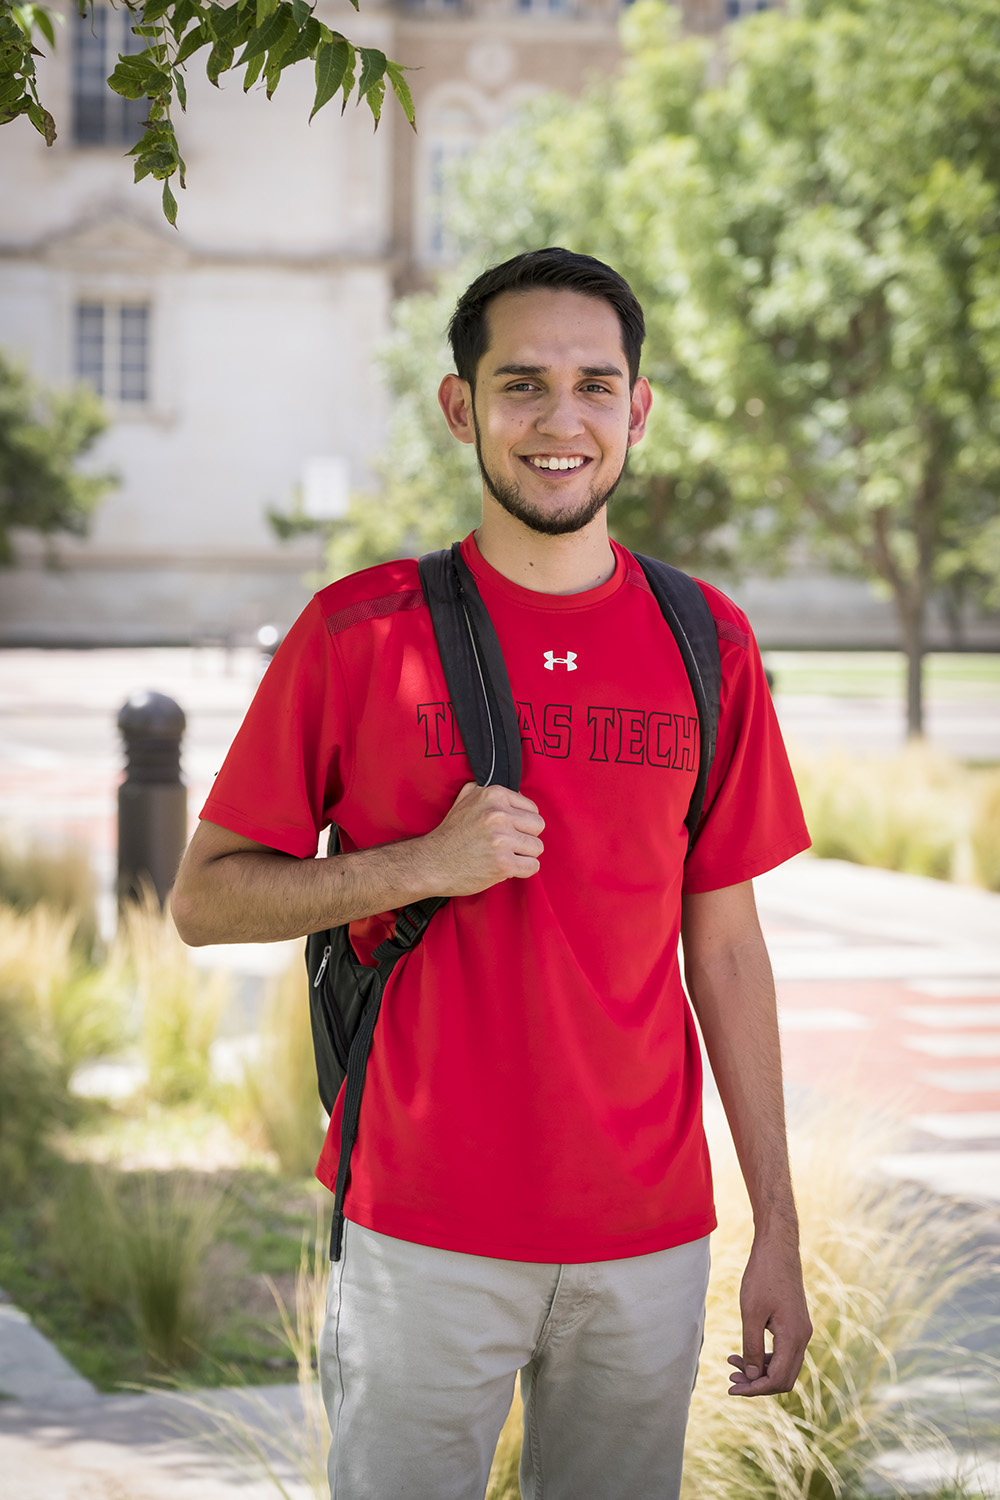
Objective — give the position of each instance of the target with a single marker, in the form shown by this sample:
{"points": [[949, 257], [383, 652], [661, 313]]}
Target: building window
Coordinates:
{"points": [[100, 116], [737, 8], [112, 349], [449, 133]]}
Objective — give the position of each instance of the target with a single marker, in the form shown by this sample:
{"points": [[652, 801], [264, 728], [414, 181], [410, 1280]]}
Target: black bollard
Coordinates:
{"points": [[152, 800]]}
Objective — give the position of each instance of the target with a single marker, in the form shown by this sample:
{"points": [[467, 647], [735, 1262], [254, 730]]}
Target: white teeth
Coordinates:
{"points": [[557, 463]]}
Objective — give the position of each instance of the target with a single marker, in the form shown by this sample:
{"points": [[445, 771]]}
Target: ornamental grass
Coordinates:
{"points": [[882, 1261]]}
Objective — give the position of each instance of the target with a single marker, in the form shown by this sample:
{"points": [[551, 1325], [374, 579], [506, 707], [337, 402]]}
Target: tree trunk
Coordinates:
{"points": [[911, 620]]}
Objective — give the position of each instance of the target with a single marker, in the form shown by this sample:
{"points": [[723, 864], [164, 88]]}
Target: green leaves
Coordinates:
{"points": [[269, 35], [18, 87], [336, 65], [333, 59], [401, 89], [815, 238], [371, 85], [138, 76], [42, 121]]}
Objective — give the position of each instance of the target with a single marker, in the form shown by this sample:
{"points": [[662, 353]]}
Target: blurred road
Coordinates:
{"points": [[60, 754]]}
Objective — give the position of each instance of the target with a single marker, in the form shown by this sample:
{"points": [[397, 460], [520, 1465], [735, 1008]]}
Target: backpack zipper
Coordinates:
{"points": [[322, 968]]}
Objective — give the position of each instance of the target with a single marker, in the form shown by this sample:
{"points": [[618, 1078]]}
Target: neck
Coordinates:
{"points": [[568, 564]]}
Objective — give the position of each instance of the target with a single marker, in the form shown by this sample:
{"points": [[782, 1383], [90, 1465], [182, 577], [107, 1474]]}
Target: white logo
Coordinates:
{"points": [[568, 661]]}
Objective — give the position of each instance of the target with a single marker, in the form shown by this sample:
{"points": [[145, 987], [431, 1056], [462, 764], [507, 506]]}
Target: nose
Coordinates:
{"points": [[560, 416]]}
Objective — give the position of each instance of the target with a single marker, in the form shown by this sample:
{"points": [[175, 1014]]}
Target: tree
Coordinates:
{"points": [[815, 241], [42, 435], [269, 35]]}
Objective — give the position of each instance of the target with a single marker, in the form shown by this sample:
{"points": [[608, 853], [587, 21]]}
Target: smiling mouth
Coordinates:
{"points": [[554, 465]]}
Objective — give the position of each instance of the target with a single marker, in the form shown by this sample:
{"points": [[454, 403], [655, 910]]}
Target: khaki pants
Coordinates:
{"points": [[420, 1350]]}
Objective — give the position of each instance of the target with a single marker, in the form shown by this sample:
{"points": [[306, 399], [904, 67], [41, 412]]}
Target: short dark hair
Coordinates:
{"points": [[555, 268]]}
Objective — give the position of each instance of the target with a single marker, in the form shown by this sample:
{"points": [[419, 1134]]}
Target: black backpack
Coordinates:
{"points": [[345, 994]]}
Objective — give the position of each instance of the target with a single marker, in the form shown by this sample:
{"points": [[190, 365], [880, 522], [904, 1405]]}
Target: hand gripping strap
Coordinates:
{"points": [[474, 669], [484, 709], [686, 611]]}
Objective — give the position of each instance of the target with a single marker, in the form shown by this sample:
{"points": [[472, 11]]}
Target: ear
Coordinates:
{"points": [[455, 397], [642, 400]]}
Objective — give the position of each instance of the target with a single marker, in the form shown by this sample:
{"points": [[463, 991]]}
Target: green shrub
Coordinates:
{"points": [[84, 1235], [168, 1227], [33, 1098], [141, 1242]]}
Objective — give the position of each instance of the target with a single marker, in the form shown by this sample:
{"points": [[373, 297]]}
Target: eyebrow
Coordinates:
{"points": [[592, 370]]}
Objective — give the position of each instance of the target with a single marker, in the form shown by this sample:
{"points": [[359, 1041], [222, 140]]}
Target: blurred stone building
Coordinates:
{"points": [[236, 354]]}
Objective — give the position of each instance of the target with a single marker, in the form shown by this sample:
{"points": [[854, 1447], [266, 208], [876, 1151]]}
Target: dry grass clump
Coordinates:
{"points": [[985, 835], [55, 1013], [881, 1260], [503, 1483], [920, 811], [177, 1005], [68, 1003], [302, 1332], [250, 1432], [278, 1106], [60, 878], [908, 812]]}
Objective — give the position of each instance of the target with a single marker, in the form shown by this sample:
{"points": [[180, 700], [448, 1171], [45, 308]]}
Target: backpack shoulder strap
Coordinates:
{"points": [[474, 669], [686, 611]]}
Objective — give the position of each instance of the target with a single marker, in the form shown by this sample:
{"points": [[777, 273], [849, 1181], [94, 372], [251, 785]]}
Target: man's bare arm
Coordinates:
{"points": [[230, 889], [732, 990]]}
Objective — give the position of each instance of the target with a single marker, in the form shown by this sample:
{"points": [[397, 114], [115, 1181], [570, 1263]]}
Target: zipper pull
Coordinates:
{"points": [[322, 968]]}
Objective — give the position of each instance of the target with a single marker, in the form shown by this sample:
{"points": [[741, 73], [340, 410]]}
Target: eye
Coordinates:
{"points": [[521, 385], [596, 388]]}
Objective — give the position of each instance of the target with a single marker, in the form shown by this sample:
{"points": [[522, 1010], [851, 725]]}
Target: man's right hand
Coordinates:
{"points": [[488, 835], [232, 890]]}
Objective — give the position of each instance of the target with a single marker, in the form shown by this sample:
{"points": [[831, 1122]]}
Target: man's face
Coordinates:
{"points": [[551, 416]]}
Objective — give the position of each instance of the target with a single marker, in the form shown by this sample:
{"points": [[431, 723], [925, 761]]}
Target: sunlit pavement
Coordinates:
{"points": [[889, 999], [888, 991]]}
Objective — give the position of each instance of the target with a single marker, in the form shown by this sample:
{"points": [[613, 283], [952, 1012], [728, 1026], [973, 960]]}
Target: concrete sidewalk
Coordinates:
{"points": [[61, 1440]]}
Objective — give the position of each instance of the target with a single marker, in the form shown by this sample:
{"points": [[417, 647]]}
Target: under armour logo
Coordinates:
{"points": [[568, 661]]}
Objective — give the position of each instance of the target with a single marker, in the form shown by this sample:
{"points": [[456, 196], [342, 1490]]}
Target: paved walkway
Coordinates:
{"points": [[889, 993]]}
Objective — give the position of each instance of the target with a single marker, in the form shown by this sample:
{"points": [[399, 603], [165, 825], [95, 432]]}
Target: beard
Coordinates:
{"points": [[546, 522]]}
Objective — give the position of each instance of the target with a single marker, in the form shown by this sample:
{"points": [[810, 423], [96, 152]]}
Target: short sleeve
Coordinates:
{"points": [[752, 818], [283, 770]]}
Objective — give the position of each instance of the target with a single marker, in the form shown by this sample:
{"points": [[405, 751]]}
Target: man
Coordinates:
{"points": [[530, 1188]]}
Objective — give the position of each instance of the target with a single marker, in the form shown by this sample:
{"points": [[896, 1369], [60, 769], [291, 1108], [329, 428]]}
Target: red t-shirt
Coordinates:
{"points": [[534, 1088]]}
